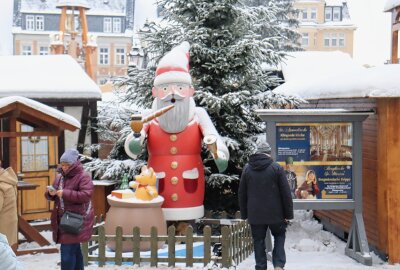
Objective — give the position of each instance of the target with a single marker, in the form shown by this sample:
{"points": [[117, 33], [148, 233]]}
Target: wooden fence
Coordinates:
{"points": [[234, 240]]}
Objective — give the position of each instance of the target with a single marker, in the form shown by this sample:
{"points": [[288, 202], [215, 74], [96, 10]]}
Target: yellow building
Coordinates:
{"points": [[325, 25]]}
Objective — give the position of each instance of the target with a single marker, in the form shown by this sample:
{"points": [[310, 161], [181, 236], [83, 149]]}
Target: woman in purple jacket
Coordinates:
{"points": [[72, 191]]}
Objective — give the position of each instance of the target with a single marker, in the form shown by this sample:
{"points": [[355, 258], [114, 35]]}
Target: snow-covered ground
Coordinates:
{"points": [[308, 248]]}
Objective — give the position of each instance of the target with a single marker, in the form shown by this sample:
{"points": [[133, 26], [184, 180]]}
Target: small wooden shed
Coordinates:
{"points": [[363, 89], [60, 83], [46, 122]]}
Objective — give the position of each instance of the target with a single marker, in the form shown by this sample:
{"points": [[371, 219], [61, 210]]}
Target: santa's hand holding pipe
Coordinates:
{"points": [[174, 138]]}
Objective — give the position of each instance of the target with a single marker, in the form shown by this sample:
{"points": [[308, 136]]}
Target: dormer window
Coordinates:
{"points": [[30, 22], [39, 23], [336, 13], [107, 25], [117, 25], [328, 14]]}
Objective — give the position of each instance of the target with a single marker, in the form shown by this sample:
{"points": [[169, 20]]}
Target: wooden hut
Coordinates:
{"points": [[58, 82], [342, 84]]}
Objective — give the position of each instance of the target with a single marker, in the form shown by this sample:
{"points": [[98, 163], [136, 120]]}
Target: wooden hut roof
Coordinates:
{"points": [[44, 119]]}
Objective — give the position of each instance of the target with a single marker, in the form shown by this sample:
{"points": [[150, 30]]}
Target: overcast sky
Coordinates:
{"points": [[371, 40]]}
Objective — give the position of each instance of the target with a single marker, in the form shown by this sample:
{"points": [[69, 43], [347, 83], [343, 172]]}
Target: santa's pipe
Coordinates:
{"points": [[137, 121], [157, 113]]}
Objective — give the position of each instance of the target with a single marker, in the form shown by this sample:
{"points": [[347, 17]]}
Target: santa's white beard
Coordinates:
{"points": [[177, 119]]}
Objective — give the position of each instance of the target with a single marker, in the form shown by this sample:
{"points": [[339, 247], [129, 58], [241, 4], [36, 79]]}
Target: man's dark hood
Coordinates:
{"points": [[260, 161]]}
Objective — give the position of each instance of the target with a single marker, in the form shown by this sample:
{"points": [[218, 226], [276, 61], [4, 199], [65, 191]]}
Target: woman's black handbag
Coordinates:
{"points": [[71, 222]]}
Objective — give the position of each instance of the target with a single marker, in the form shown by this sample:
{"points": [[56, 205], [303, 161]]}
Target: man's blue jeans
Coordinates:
{"points": [[71, 257], [259, 232]]}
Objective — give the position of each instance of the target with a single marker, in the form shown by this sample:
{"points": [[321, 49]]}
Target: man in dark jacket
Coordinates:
{"points": [[265, 201]]}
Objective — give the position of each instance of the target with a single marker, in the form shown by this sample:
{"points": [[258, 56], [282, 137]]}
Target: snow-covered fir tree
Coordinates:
{"points": [[228, 57], [284, 26]]}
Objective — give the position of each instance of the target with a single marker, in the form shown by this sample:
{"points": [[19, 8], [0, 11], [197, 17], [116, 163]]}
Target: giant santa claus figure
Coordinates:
{"points": [[174, 139]]}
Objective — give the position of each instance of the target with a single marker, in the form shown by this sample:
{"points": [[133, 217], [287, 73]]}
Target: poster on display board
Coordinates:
{"points": [[317, 158]]}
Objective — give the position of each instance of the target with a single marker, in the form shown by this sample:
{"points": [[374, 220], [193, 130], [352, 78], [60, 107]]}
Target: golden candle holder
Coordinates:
{"points": [[211, 142]]}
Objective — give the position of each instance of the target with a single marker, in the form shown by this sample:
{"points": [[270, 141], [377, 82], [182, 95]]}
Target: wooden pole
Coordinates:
{"points": [[88, 49], [13, 145], [62, 20], [395, 35], [388, 172]]}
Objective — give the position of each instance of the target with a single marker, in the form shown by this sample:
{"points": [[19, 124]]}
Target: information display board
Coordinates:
{"points": [[321, 151], [317, 158]]}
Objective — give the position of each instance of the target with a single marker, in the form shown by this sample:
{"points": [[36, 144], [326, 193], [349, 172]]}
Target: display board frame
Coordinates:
{"points": [[357, 243]]}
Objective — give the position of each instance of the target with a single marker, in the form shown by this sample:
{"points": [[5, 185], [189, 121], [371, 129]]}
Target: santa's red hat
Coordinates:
{"points": [[174, 66]]}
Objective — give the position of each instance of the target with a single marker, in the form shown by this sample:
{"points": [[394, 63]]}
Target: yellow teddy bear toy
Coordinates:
{"points": [[145, 184]]}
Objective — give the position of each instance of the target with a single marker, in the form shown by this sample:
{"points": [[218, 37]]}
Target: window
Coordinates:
{"points": [[304, 40], [30, 22], [336, 13], [107, 25], [327, 39], [304, 14], [34, 152], [334, 40], [117, 25], [103, 56], [39, 23], [313, 14], [120, 56], [26, 50], [328, 14], [341, 40], [43, 50]]}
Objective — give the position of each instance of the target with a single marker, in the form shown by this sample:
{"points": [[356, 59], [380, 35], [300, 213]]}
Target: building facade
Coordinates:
{"points": [[110, 25], [325, 25]]}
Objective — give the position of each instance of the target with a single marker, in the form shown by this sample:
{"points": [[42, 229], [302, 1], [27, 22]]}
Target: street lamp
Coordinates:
{"points": [[145, 30], [136, 56]]}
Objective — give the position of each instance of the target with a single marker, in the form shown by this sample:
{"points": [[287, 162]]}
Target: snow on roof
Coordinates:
{"points": [[45, 77], [345, 23], [308, 65], [308, 1], [290, 112], [336, 3], [97, 7], [328, 79], [41, 107], [391, 4]]}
